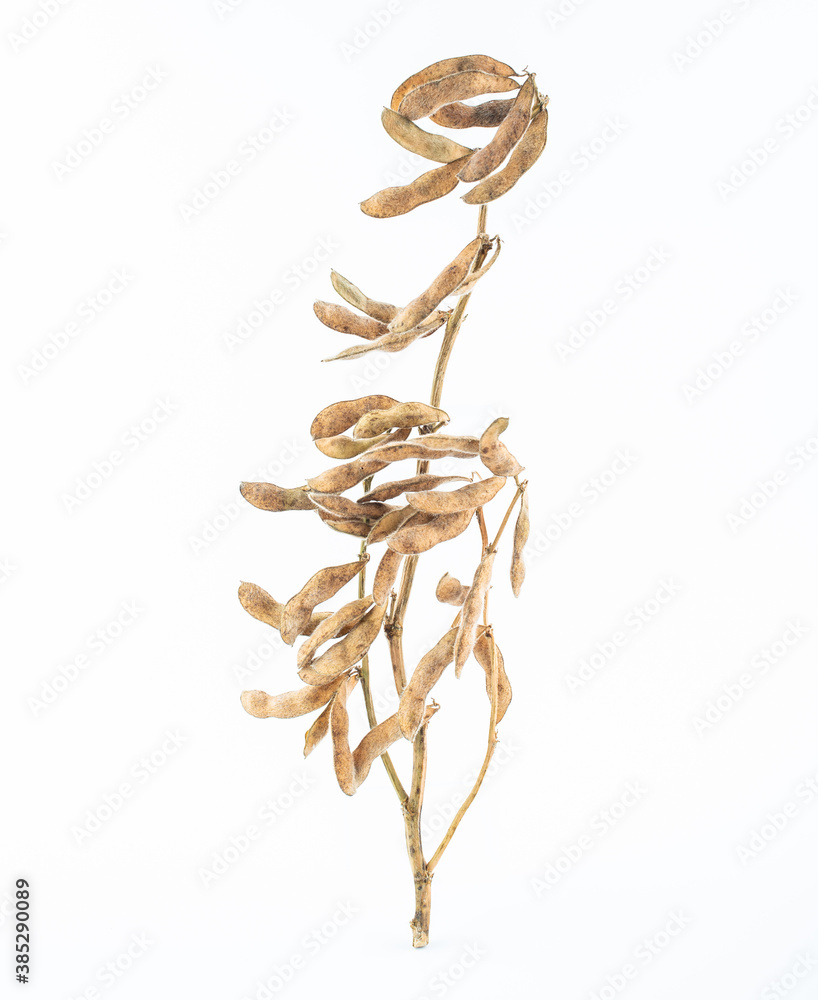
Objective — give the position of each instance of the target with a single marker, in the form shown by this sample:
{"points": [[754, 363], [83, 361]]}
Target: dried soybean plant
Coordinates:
{"points": [[368, 435]]}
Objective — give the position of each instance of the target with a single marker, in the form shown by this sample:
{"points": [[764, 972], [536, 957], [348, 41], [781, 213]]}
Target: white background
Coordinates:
{"points": [[650, 157]]}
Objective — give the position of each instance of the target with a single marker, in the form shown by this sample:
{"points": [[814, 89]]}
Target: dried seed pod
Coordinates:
{"points": [[399, 200], [387, 491], [448, 279], [339, 417], [467, 498], [467, 284], [389, 523], [523, 157], [342, 477], [521, 529], [426, 99], [489, 114], [345, 321], [384, 312], [359, 529], [349, 614], [267, 496], [416, 449], [288, 705], [349, 650], [342, 446], [508, 134], [346, 509], [257, 602], [424, 677], [320, 587], [472, 609], [439, 148], [339, 726], [403, 415], [423, 531], [482, 653], [445, 67], [493, 453], [385, 575], [317, 731], [450, 590], [391, 343]]}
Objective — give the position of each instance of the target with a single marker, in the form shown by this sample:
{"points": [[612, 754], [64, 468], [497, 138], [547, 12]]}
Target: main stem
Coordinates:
{"points": [[421, 872]]}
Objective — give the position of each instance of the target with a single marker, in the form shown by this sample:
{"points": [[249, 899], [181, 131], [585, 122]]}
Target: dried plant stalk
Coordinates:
{"points": [[371, 434]]}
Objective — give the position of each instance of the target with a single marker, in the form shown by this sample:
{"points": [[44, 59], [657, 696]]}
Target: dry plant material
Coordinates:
{"points": [[340, 654]]}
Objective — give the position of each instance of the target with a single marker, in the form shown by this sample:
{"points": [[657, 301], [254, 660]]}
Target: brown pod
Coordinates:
{"points": [[388, 491], [342, 477], [466, 498], [339, 417], [489, 114], [389, 523], [384, 312], [385, 576], [345, 321], [450, 590], [439, 148], [426, 99], [423, 531], [342, 446], [402, 415], [317, 731], [392, 343], [257, 602], [289, 705], [472, 610], [417, 448], [349, 650], [424, 677], [329, 628], [467, 284], [377, 741], [448, 279], [320, 587], [523, 157], [399, 200], [358, 529], [339, 726], [494, 454], [482, 653], [346, 509], [521, 530], [445, 67], [267, 496], [508, 134]]}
